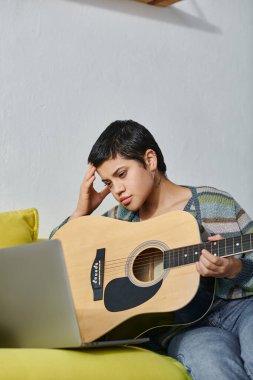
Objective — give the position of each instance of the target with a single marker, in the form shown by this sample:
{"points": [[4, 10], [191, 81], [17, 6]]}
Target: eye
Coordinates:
{"points": [[108, 184], [122, 174]]}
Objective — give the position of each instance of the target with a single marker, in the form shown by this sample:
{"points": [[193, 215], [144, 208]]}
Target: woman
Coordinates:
{"points": [[131, 165]]}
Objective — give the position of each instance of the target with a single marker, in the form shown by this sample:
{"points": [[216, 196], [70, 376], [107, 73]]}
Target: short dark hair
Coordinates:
{"points": [[128, 139]]}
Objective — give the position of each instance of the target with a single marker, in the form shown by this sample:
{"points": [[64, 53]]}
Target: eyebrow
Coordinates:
{"points": [[114, 174]]}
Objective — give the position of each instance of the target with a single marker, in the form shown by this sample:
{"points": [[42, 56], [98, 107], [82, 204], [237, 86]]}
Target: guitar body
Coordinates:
{"points": [[117, 276]]}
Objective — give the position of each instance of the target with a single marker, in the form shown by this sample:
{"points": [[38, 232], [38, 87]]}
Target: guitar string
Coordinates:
{"points": [[172, 250], [141, 270], [206, 245], [141, 261], [110, 266], [158, 253], [138, 268]]}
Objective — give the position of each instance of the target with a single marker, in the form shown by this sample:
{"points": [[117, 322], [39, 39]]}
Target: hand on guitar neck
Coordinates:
{"points": [[89, 198], [215, 266]]}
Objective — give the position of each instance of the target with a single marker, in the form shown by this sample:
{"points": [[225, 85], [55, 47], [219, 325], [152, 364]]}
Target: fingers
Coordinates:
{"points": [[211, 266], [90, 172], [89, 198], [89, 177], [215, 237], [208, 258]]}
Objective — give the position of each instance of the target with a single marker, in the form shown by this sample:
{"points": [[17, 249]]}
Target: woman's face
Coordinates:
{"points": [[129, 182]]}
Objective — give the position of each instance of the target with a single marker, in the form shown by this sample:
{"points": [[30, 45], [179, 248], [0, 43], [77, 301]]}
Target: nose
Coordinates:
{"points": [[119, 187]]}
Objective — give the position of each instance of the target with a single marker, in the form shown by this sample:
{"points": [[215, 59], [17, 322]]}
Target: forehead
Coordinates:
{"points": [[109, 167]]}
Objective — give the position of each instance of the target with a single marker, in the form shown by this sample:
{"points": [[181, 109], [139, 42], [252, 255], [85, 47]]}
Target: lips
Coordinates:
{"points": [[125, 201]]}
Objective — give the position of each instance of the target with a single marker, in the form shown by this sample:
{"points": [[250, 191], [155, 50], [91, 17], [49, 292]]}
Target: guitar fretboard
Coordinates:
{"points": [[226, 247]]}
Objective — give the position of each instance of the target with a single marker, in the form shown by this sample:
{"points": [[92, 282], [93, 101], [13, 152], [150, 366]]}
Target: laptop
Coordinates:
{"points": [[36, 305]]}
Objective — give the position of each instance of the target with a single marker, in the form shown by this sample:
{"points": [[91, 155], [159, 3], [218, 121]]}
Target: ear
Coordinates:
{"points": [[150, 159]]}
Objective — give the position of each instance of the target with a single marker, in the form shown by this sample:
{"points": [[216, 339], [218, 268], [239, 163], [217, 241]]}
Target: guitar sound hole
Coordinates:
{"points": [[148, 265]]}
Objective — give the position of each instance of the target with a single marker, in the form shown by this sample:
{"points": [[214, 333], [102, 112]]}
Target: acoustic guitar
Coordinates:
{"points": [[128, 279]]}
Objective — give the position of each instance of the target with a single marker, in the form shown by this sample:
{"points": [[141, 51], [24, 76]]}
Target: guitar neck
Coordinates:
{"points": [[232, 246]]}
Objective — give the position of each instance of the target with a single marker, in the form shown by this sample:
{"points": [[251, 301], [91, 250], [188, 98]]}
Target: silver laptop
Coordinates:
{"points": [[36, 305]]}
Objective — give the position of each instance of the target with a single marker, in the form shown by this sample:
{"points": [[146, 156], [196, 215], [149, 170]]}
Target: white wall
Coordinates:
{"points": [[69, 68]]}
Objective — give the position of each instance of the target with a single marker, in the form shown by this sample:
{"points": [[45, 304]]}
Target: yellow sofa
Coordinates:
{"points": [[124, 363]]}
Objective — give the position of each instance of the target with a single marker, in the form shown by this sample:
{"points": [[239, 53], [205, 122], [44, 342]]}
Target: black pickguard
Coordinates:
{"points": [[121, 294], [157, 323]]}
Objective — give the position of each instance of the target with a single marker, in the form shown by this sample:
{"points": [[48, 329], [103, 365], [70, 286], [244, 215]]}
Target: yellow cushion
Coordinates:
{"points": [[97, 364], [18, 227], [124, 363]]}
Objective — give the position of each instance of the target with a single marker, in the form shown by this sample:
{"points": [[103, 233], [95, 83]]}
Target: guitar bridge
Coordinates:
{"points": [[97, 275]]}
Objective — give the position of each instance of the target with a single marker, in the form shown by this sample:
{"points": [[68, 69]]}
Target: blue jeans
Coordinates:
{"points": [[221, 346]]}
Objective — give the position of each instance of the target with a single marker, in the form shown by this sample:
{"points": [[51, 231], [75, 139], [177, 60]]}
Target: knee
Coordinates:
{"points": [[190, 347], [204, 350], [193, 343]]}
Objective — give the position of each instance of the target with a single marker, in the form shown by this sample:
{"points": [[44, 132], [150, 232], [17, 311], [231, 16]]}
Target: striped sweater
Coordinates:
{"points": [[220, 214]]}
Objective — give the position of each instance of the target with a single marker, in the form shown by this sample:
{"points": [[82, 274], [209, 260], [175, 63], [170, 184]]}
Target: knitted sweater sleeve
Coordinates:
{"points": [[111, 213], [58, 227], [245, 277]]}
